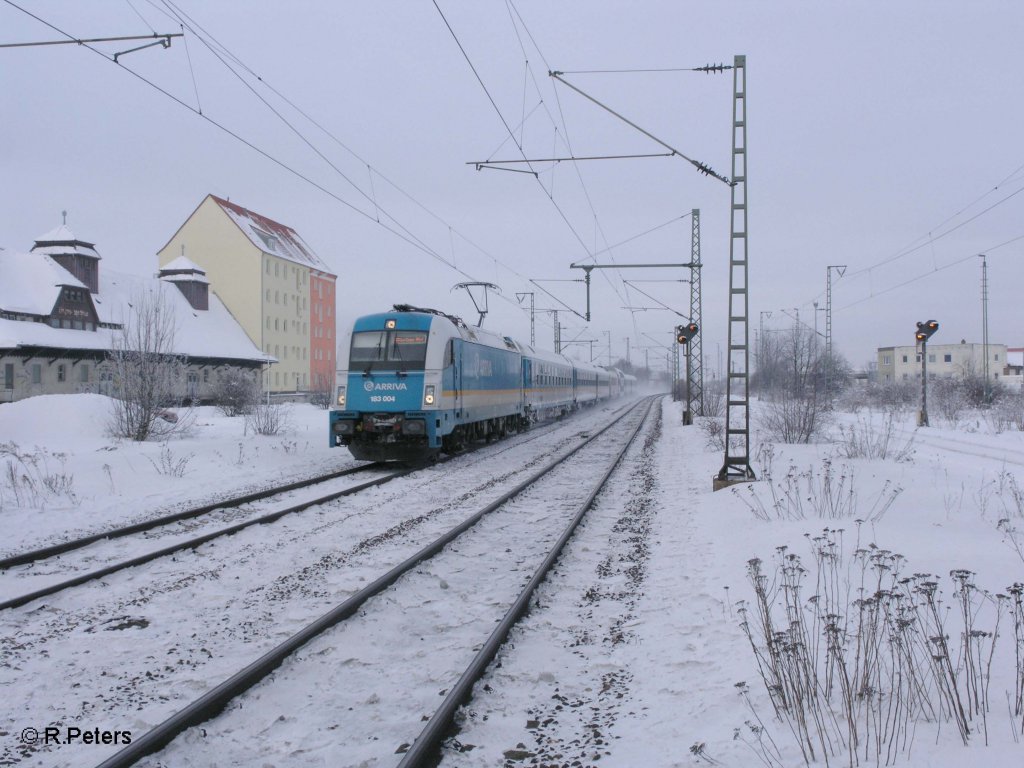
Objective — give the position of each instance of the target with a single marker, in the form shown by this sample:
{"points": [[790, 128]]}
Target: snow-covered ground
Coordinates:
{"points": [[634, 650]]}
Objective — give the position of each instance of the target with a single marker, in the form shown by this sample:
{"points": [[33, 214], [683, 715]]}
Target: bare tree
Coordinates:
{"points": [[148, 373], [794, 407], [236, 392]]}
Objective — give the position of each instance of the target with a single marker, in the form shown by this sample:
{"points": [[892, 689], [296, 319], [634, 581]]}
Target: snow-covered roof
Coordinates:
{"points": [[182, 269], [62, 241], [270, 236], [32, 282], [182, 264], [185, 277], [213, 332]]}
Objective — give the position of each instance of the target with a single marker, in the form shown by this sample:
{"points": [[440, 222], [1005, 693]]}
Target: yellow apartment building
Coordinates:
{"points": [[261, 271]]}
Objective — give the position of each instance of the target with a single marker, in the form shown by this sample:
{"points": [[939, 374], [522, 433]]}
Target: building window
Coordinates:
{"points": [[206, 375], [8, 375], [904, 358], [947, 358], [37, 373], [277, 272], [277, 297], [997, 356], [268, 295], [83, 374], [62, 372], [276, 324], [931, 358]]}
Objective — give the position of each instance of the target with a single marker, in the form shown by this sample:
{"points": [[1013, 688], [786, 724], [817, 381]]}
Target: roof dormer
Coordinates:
{"points": [[76, 256]]}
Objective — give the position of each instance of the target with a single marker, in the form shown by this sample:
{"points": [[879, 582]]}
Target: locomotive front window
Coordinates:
{"points": [[388, 350]]}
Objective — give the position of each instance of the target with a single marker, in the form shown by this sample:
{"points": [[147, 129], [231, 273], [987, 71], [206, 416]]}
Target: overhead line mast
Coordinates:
{"points": [[736, 467]]}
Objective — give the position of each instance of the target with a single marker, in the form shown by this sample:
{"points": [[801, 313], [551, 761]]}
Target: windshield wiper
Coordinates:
{"points": [[380, 350], [398, 354]]}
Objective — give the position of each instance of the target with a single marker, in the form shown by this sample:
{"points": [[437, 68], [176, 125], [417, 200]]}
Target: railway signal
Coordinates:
{"points": [[924, 332], [686, 332]]}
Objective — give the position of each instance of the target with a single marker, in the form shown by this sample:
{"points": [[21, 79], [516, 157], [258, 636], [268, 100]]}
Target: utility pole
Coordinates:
{"points": [[533, 335], [841, 269], [694, 353], [628, 362], [984, 325], [609, 335], [736, 466]]}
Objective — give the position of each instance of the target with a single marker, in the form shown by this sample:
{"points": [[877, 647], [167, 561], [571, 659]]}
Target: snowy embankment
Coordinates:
{"points": [[635, 650], [64, 477]]}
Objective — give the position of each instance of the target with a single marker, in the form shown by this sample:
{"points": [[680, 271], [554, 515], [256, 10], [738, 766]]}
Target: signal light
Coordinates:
{"points": [[686, 332], [926, 329]]}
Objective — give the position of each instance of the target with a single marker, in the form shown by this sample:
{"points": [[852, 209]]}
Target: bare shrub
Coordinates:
{"points": [[236, 392], [867, 439], [950, 398], [321, 397], [794, 419], [714, 432], [713, 400], [1006, 413], [29, 480], [894, 396], [148, 373], [169, 464], [267, 418], [874, 653], [830, 494]]}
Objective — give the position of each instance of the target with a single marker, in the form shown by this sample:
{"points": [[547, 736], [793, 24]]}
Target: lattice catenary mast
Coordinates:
{"points": [[736, 467]]}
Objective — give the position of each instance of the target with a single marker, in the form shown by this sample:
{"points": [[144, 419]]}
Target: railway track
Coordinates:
{"points": [[462, 559], [50, 560], [255, 517]]}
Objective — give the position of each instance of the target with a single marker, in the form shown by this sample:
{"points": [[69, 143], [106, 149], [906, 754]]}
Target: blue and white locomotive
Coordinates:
{"points": [[414, 382]]}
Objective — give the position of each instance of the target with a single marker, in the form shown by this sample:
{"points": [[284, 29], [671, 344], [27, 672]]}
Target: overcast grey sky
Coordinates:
{"points": [[882, 135]]}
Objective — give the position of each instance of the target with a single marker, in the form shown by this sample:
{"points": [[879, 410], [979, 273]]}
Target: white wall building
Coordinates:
{"points": [[60, 314], [945, 361]]}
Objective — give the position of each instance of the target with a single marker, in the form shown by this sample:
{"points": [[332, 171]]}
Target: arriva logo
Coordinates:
{"points": [[385, 386]]}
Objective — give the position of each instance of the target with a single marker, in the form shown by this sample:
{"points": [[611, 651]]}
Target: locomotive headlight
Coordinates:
{"points": [[428, 396], [341, 397]]}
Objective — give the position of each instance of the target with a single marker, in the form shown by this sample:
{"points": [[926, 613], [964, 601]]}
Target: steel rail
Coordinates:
{"points": [[215, 700], [15, 602], [424, 749], [127, 530]]}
